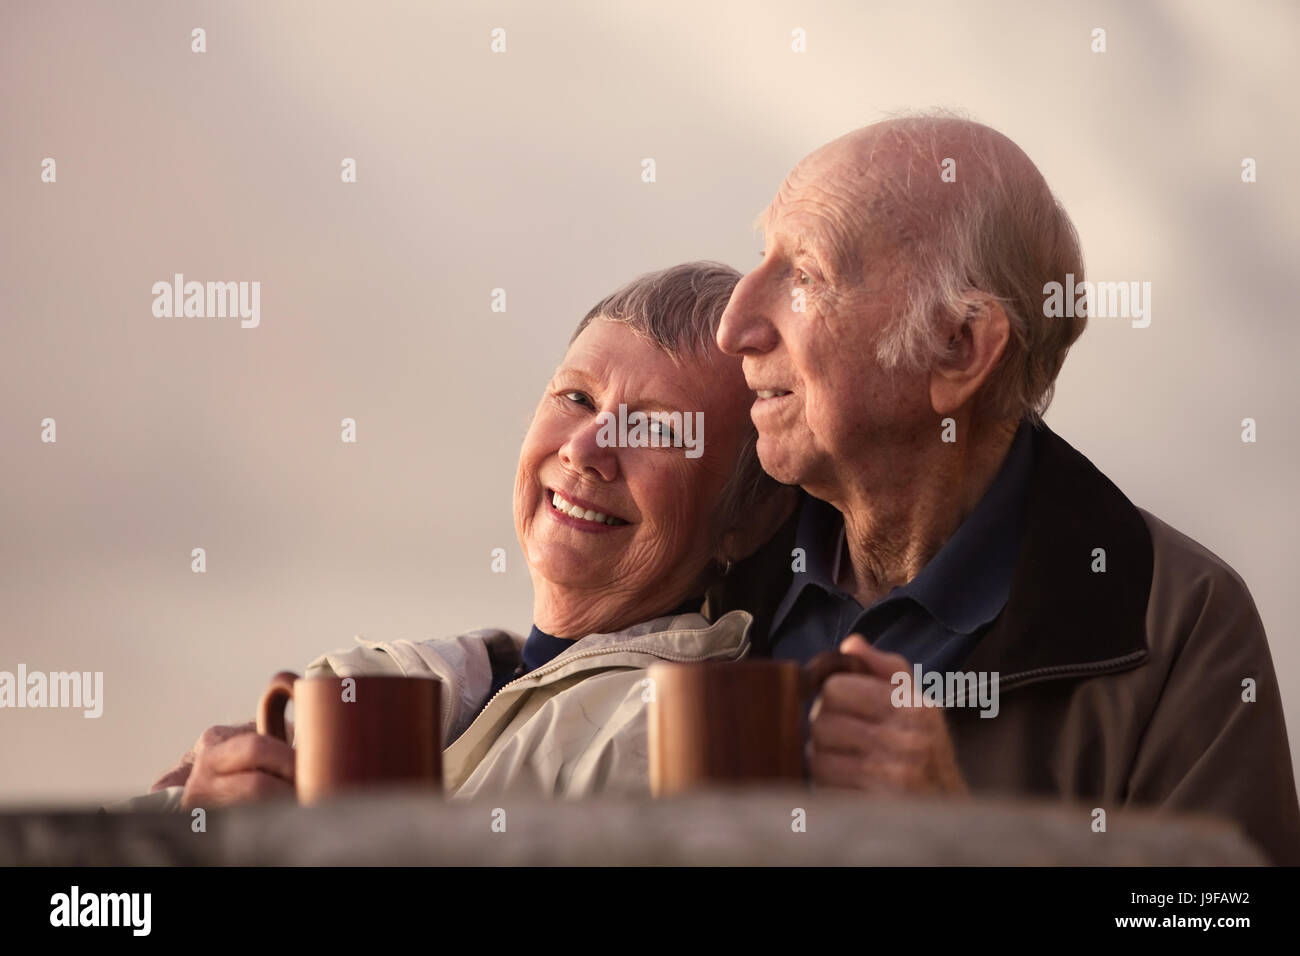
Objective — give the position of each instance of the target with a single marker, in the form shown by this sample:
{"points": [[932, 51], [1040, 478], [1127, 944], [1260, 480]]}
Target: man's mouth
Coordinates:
{"points": [[765, 393], [580, 511]]}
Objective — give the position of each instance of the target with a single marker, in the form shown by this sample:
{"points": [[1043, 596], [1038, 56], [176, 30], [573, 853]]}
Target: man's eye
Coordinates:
{"points": [[578, 398], [802, 276]]}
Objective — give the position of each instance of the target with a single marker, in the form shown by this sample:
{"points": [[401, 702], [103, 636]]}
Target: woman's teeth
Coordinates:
{"points": [[586, 514]]}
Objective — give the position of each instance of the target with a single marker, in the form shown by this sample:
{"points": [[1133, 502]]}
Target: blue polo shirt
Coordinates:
{"points": [[935, 619]]}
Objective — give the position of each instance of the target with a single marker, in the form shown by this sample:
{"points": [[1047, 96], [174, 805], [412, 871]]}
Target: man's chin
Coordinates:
{"points": [[779, 460]]}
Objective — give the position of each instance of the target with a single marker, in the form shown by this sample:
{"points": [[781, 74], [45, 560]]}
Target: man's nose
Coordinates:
{"points": [[745, 328], [585, 455]]}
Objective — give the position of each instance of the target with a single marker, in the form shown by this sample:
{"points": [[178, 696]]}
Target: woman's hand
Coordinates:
{"points": [[243, 768], [218, 779], [210, 737]]}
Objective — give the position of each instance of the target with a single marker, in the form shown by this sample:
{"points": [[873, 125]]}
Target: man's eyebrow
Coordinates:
{"points": [[805, 244], [823, 244]]}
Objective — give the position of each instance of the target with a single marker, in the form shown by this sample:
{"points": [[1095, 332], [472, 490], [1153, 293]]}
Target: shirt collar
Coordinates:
{"points": [[541, 648], [966, 584]]}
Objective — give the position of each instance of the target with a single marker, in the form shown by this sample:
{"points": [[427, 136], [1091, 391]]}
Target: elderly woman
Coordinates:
{"points": [[621, 540]]}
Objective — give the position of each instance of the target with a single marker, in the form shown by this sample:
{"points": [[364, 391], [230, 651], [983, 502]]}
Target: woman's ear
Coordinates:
{"points": [[758, 524]]}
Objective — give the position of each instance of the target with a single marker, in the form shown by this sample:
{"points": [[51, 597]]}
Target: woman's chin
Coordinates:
{"points": [[566, 566]]}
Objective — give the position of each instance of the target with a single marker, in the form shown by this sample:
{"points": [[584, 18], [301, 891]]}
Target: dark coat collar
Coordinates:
{"points": [[1061, 618]]}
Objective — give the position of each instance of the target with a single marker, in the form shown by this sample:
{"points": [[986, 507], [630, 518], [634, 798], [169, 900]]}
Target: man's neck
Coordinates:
{"points": [[900, 508]]}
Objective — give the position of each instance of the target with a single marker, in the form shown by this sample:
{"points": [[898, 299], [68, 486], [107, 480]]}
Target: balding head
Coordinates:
{"points": [[902, 284], [990, 225]]}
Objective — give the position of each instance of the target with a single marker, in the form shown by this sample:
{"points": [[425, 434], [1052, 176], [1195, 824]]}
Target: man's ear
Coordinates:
{"points": [[975, 346], [758, 524]]}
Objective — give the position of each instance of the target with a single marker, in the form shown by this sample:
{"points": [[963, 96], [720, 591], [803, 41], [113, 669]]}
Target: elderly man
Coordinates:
{"points": [[896, 339]]}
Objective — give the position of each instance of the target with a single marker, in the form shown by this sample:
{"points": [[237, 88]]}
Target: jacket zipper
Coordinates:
{"points": [[1037, 674]]}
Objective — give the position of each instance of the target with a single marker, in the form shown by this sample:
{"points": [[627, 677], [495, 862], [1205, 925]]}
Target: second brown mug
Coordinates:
{"points": [[724, 723]]}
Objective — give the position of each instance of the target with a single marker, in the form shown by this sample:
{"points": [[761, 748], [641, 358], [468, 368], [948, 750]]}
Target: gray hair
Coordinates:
{"points": [[679, 310], [1001, 234]]}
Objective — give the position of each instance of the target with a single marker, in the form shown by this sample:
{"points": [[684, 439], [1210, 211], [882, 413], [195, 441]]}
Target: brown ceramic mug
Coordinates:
{"points": [[723, 723], [357, 732]]}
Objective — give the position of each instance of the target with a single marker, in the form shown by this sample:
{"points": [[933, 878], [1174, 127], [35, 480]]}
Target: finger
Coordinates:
{"points": [[250, 786], [174, 777], [251, 752], [883, 663], [856, 772], [886, 743], [856, 695], [230, 789], [839, 733], [220, 733]]}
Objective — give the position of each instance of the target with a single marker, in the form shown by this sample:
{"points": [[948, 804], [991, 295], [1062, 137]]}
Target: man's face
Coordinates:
{"points": [[821, 396]]}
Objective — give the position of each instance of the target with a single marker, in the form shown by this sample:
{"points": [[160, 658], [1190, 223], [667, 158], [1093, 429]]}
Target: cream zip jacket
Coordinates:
{"points": [[573, 727]]}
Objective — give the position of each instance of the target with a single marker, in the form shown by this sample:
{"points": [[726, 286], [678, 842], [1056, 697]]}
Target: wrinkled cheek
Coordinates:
{"points": [[825, 418], [645, 559], [525, 508]]}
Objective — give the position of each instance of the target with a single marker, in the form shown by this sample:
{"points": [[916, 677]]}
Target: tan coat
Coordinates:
{"points": [[1117, 688], [574, 727]]}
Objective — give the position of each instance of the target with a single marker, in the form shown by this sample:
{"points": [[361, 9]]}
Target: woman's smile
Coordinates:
{"points": [[581, 514]]}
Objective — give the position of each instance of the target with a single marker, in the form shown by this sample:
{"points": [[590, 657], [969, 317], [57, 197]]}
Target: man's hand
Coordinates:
{"points": [[860, 740]]}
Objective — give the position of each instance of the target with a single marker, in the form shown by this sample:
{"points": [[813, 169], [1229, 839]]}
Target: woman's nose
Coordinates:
{"points": [[745, 328], [587, 453]]}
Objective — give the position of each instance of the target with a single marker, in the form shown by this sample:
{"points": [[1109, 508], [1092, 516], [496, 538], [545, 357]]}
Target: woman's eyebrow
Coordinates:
{"points": [[571, 371], [649, 403], [639, 403]]}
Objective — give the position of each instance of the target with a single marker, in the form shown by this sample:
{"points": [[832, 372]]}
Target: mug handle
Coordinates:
{"points": [[270, 711], [817, 670]]}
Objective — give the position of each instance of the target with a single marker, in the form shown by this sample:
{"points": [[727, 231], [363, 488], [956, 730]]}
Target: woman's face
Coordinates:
{"points": [[660, 527]]}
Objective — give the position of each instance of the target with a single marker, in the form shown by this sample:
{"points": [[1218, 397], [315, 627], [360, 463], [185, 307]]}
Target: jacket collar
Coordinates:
{"points": [[1061, 618], [675, 637]]}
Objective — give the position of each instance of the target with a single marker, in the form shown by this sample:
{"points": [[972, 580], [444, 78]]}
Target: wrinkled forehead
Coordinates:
{"points": [[611, 355], [854, 204]]}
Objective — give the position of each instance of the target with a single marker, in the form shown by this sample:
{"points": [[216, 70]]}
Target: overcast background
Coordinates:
{"points": [[522, 170]]}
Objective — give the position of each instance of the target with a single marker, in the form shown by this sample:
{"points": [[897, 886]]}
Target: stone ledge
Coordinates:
{"points": [[750, 828]]}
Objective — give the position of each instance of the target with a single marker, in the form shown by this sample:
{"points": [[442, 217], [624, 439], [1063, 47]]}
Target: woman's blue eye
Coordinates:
{"points": [[665, 433]]}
